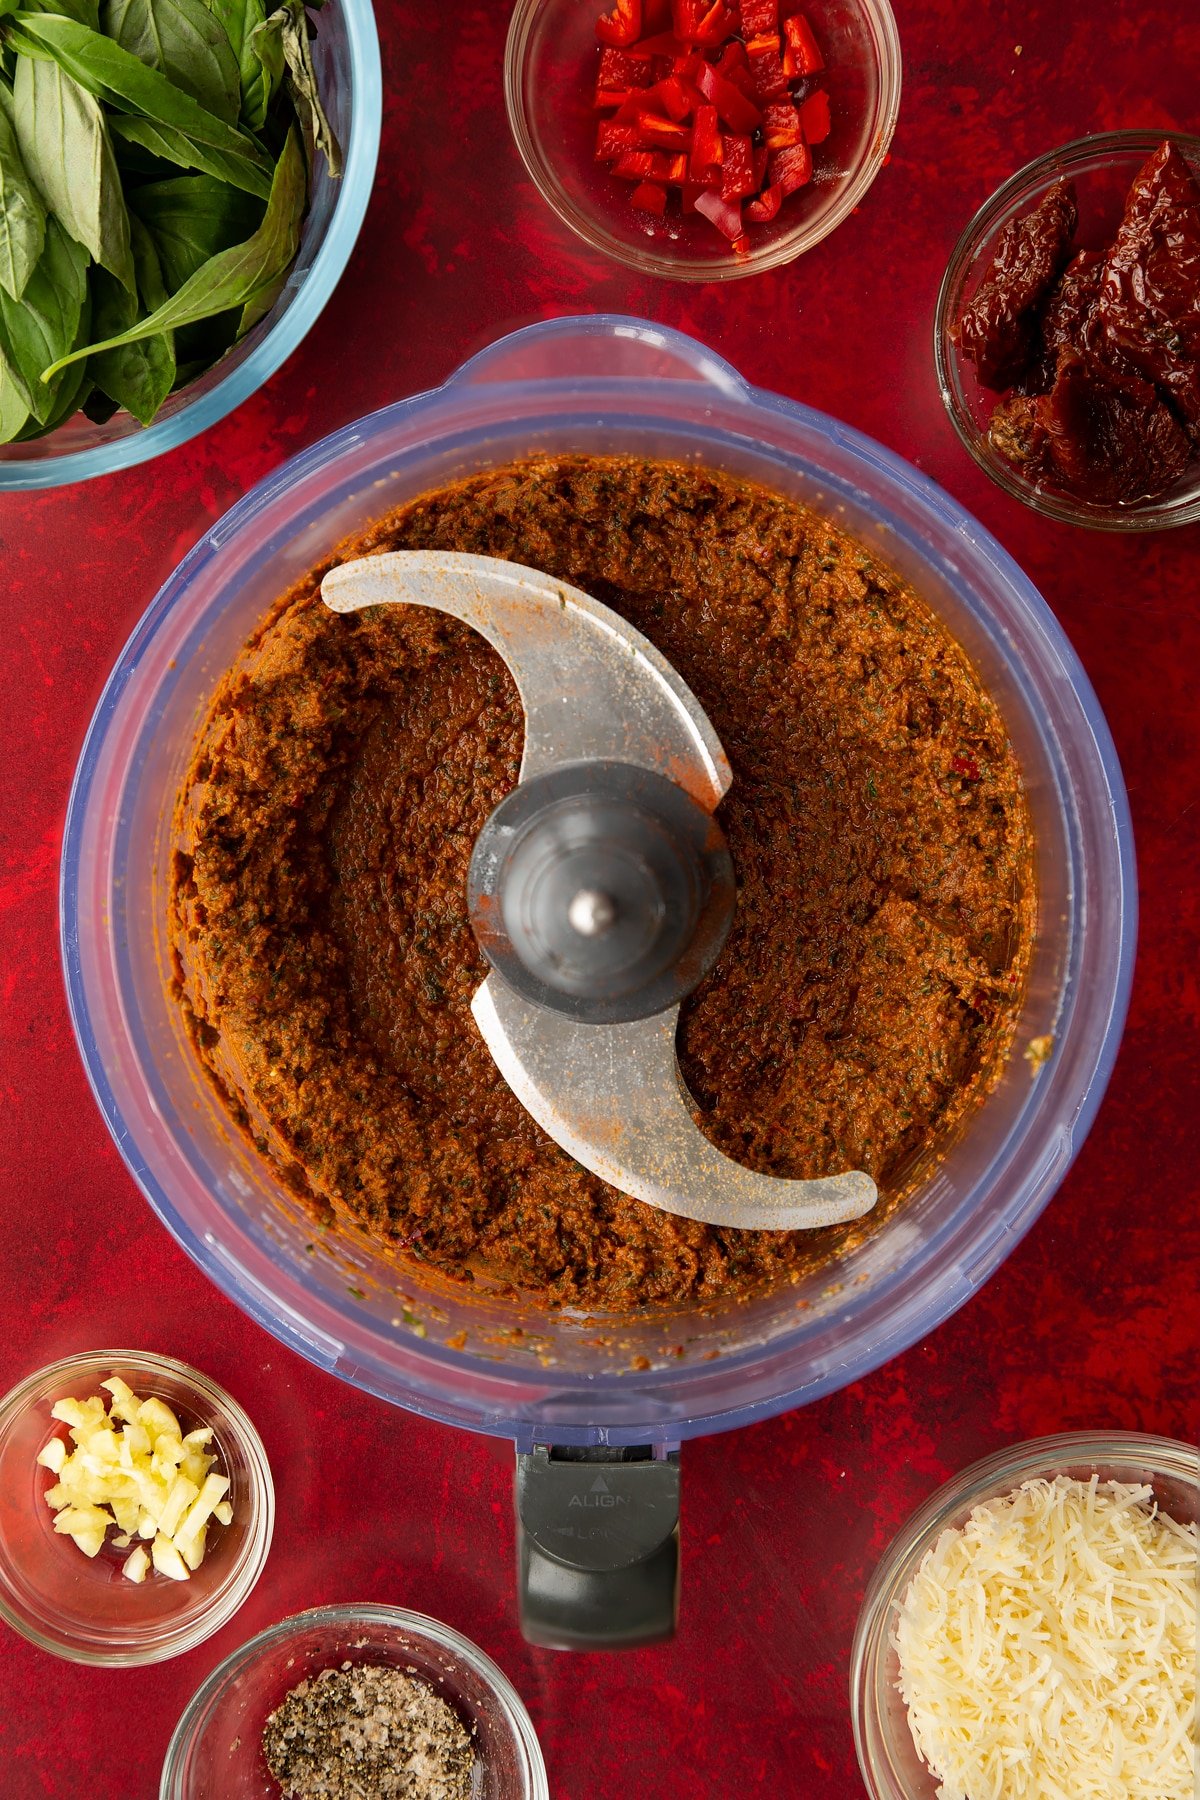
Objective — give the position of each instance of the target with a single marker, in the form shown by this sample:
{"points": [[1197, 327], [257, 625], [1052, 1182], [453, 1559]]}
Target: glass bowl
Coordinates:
{"points": [[599, 385], [549, 79], [84, 1608], [217, 1746], [346, 55], [1102, 168], [887, 1756]]}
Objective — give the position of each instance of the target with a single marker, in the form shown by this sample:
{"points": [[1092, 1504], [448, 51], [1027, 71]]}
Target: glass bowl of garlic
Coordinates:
{"points": [[136, 1507]]}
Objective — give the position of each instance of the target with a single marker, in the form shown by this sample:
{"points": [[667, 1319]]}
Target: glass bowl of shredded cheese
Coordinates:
{"points": [[1031, 1632], [136, 1507], [225, 1742]]}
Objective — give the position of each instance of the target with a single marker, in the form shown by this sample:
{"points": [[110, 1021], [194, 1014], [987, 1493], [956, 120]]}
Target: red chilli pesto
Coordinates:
{"points": [[869, 992]]}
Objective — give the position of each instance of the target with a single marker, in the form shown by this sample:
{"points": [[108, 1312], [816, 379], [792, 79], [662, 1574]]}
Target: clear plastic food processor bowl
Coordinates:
{"points": [[600, 384]]}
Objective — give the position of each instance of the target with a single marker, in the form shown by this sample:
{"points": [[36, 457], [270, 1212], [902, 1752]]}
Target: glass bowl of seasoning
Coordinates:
{"points": [[346, 64], [136, 1507], [354, 1699], [1067, 332], [696, 148], [1034, 1622]]}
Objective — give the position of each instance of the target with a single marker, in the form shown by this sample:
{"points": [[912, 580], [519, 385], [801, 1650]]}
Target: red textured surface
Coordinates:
{"points": [[1091, 1323]]}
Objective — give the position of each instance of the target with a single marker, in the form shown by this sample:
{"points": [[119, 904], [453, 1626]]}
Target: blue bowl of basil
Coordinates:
{"points": [[181, 184]]}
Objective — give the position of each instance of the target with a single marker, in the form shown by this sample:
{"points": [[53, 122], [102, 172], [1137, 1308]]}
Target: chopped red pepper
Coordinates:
{"points": [[791, 168], [758, 16], [698, 110], [649, 198], [714, 26], [738, 113], [622, 26], [803, 45], [726, 215], [662, 134], [766, 206], [663, 43], [707, 151], [643, 165], [966, 766], [613, 140], [781, 125], [619, 69], [766, 67], [737, 168], [814, 117], [676, 97]]}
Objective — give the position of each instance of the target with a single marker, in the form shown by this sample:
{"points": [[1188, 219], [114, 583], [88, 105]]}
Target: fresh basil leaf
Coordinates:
{"points": [[71, 389], [43, 325], [290, 21], [22, 215], [137, 376], [190, 218], [66, 148], [258, 79], [14, 408], [112, 74], [184, 41], [86, 11], [234, 276], [169, 145]]}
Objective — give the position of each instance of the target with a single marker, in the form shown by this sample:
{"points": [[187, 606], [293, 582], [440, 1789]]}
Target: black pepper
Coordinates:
{"points": [[368, 1732]]}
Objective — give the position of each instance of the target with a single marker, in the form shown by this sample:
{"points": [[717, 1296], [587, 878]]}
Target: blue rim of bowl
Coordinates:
{"points": [[418, 1625], [356, 182], [919, 1314]]}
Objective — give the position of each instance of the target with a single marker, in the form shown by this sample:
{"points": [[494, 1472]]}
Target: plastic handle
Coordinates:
{"points": [[600, 346], [597, 1546]]}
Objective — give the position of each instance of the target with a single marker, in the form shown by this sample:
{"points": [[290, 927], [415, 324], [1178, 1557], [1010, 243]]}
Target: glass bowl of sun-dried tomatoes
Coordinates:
{"points": [[702, 139], [1067, 332]]}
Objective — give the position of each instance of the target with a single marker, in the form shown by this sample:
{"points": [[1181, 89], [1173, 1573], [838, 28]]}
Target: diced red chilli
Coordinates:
{"points": [[766, 68], [663, 43], [725, 121], [643, 165], [790, 169], [766, 206], [613, 140], [726, 215], [662, 134], [622, 69], [707, 153], [676, 98], [735, 110], [814, 117], [737, 168], [781, 125], [803, 45], [649, 198], [622, 26], [758, 16]]}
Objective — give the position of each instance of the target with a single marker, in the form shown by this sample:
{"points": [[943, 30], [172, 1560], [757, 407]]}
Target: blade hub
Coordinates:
{"points": [[621, 852]]}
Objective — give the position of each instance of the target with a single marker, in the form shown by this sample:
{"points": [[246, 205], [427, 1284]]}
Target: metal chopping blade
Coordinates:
{"points": [[595, 691]]}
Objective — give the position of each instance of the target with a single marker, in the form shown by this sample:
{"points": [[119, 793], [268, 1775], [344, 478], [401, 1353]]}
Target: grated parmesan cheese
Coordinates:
{"points": [[1048, 1648]]}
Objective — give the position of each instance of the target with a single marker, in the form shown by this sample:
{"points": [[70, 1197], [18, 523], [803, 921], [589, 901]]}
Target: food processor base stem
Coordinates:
{"points": [[597, 1545]]}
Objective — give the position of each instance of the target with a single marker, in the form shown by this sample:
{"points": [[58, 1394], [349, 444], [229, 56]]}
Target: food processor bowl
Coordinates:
{"points": [[597, 385]]}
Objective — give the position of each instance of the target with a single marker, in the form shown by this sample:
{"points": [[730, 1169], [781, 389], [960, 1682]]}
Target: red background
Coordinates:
{"points": [[1091, 1323]]}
